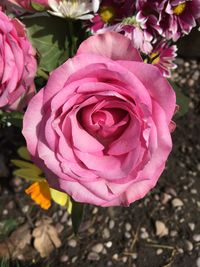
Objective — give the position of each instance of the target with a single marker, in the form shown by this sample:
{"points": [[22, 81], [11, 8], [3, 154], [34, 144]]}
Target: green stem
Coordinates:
{"points": [[42, 74], [73, 38]]}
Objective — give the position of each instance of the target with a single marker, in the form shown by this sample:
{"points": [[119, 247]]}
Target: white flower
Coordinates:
{"points": [[75, 9]]}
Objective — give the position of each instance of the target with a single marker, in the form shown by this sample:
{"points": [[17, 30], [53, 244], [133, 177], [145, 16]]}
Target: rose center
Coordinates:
{"points": [[105, 123], [107, 14], [179, 9]]}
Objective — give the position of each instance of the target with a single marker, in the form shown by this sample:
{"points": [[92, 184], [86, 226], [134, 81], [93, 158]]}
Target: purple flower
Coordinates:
{"points": [[162, 56], [179, 17], [148, 14], [111, 12], [169, 18]]}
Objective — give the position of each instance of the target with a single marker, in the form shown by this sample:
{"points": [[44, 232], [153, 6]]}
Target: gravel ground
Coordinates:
{"points": [[161, 230]]}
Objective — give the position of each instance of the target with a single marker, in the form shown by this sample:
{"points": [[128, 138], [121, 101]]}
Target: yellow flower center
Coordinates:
{"points": [[179, 9], [107, 14], [155, 58]]}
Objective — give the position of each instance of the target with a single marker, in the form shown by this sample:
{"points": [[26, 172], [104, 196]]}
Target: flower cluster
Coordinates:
{"points": [[99, 126], [151, 25]]}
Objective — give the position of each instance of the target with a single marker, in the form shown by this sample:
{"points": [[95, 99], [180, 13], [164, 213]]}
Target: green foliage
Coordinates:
{"points": [[49, 35], [7, 226], [14, 118], [181, 100], [77, 215], [37, 6], [6, 263]]}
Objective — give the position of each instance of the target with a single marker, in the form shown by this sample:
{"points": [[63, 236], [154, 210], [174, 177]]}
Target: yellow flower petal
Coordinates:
{"points": [[58, 197], [62, 199], [40, 193]]}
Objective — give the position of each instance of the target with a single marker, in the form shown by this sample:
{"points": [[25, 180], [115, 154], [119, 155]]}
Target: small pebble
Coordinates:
{"points": [[93, 256], [144, 235], [115, 257], [180, 250], [104, 251], [193, 191], [198, 166], [25, 209], [128, 227], [165, 198], [176, 202], [64, 258], [72, 243], [97, 248], [198, 262], [64, 218], [95, 210], [111, 224], [196, 237], [91, 230], [20, 257], [10, 205], [109, 244], [159, 251], [5, 212], [106, 233], [173, 233], [127, 235], [188, 245], [191, 226], [124, 259], [74, 259], [69, 222], [171, 191], [60, 213], [134, 256], [191, 82], [161, 229]]}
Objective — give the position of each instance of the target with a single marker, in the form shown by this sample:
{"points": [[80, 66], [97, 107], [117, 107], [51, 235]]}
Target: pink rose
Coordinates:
{"points": [[100, 127], [17, 64], [29, 4]]}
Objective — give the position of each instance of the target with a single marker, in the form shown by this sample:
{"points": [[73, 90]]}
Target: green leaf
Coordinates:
{"points": [[28, 174], [37, 6], [77, 215], [23, 153], [49, 37], [24, 164], [181, 100]]}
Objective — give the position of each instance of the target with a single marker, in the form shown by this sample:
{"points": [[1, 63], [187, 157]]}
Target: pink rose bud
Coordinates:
{"points": [[17, 64], [100, 129]]}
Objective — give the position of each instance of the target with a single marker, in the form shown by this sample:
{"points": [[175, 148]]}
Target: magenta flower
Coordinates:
{"points": [[148, 14], [168, 18], [162, 56], [111, 12], [178, 18]]}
